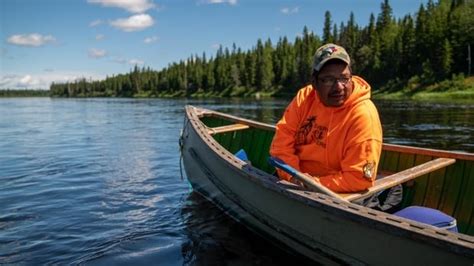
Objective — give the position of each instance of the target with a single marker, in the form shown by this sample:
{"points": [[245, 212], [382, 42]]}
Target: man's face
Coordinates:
{"points": [[334, 84]]}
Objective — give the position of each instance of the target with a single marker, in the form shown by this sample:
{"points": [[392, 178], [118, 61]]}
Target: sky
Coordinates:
{"points": [[44, 41]]}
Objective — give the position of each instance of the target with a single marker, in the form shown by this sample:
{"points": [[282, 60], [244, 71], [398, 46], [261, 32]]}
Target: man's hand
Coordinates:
{"points": [[300, 183]]}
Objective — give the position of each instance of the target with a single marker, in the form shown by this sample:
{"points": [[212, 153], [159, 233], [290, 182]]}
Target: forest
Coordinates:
{"points": [[431, 46], [24, 93]]}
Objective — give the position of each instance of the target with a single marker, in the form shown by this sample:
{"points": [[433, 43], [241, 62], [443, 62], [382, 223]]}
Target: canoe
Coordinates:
{"points": [[331, 229]]}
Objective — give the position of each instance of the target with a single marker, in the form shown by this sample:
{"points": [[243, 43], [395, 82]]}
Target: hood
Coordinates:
{"points": [[361, 92]]}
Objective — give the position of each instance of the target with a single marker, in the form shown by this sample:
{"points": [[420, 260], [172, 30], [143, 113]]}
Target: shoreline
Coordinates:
{"points": [[458, 96]]}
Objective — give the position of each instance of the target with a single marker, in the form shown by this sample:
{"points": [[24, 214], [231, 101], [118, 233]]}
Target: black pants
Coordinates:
{"points": [[389, 200]]}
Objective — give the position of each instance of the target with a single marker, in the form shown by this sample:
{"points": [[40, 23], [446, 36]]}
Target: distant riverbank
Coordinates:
{"points": [[448, 90], [464, 95], [24, 93]]}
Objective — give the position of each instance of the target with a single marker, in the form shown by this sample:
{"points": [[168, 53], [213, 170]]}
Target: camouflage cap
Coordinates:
{"points": [[328, 52]]}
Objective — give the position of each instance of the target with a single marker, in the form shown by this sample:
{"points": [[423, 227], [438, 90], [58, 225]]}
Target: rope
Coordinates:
{"points": [[181, 144]]}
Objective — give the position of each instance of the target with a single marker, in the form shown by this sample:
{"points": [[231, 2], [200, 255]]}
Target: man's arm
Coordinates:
{"points": [[283, 144], [359, 168]]}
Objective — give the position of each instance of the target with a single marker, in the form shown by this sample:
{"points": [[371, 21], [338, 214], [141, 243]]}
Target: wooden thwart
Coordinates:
{"points": [[401, 177], [227, 128]]}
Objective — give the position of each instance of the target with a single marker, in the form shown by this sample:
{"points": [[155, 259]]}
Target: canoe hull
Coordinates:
{"points": [[324, 229], [237, 187]]}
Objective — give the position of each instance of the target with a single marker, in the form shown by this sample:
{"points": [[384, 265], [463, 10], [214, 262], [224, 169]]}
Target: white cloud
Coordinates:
{"points": [[288, 10], [136, 62], [43, 80], [33, 39], [99, 37], [6, 80], [28, 81], [133, 23], [210, 2], [215, 46], [97, 53], [19, 81], [134, 6], [151, 39], [132, 62], [96, 22]]}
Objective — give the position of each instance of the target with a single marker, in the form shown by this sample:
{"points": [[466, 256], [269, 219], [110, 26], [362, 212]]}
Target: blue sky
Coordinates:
{"points": [[59, 40]]}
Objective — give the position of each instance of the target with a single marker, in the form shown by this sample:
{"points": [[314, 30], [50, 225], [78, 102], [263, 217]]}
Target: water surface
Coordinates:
{"points": [[98, 181]]}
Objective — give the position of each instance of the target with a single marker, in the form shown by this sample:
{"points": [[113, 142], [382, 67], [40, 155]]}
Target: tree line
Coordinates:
{"points": [[414, 51], [24, 93]]}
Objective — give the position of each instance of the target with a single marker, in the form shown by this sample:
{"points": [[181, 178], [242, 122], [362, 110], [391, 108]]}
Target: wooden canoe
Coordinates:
{"points": [[331, 229]]}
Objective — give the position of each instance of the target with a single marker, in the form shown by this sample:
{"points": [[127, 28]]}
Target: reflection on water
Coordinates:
{"points": [[429, 125], [213, 238], [97, 181]]}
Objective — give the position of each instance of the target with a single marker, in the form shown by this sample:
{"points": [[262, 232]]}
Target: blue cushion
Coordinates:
{"points": [[242, 155], [429, 216]]}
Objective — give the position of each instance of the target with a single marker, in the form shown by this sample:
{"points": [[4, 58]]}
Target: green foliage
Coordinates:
{"points": [[456, 83], [327, 36], [24, 93], [414, 83], [458, 88], [392, 54]]}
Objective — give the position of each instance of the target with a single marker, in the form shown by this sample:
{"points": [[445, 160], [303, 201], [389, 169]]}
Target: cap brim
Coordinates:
{"points": [[321, 64]]}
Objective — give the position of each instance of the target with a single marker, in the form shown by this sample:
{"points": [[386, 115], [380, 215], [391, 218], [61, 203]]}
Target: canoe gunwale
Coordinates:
{"points": [[429, 152], [459, 243], [401, 177]]}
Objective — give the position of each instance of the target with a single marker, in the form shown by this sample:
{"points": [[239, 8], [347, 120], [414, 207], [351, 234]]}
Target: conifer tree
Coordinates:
{"points": [[327, 35]]}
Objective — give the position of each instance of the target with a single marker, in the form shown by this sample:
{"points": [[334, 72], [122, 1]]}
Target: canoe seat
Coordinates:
{"points": [[400, 177], [227, 128], [428, 216]]}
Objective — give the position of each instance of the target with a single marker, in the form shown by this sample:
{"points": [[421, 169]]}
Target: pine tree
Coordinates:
{"points": [[446, 59], [408, 49], [327, 36], [264, 74], [461, 34]]}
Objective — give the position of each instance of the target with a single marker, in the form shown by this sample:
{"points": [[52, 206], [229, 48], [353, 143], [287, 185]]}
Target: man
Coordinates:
{"points": [[331, 130]]}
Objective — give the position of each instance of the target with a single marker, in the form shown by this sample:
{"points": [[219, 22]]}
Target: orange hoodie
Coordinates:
{"points": [[340, 145]]}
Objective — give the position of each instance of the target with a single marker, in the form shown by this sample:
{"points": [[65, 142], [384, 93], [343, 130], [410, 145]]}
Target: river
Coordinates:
{"points": [[98, 181]]}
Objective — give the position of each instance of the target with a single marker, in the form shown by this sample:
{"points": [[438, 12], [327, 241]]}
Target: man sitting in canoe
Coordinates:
{"points": [[331, 129]]}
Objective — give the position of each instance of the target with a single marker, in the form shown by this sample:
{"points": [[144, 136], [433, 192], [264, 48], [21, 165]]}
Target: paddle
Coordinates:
{"points": [[304, 178]]}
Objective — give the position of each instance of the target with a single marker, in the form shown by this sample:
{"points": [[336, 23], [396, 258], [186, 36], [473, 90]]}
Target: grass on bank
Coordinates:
{"points": [[458, 88]]}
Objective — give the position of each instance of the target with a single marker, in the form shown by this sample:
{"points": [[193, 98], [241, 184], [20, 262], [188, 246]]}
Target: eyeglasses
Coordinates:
{"points": [[330, 81]]}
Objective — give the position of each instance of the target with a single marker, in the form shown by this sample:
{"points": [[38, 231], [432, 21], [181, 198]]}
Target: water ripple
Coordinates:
{"points": [[97, 181]]}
